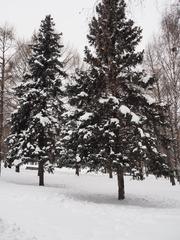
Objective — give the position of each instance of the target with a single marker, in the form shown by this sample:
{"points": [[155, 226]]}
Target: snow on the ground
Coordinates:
{"points": [[86, 208], [12, 232]]}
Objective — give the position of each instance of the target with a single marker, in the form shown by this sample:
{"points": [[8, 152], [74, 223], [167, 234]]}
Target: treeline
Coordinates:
{"points": [[100, 114]]}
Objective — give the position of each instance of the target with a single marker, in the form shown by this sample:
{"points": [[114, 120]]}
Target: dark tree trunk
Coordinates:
{"points": [[178, 175], [2, 107], [172, 180], [110, 169], [110, 172], [120, 178], [41, 174], [17, 169], [77, 170], [5, 164]]}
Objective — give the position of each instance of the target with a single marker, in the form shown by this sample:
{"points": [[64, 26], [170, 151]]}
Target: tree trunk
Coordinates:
{"points": [[18, 168], [110, 172], [109, 168], [41, 174], [120, 178], [172, 180], [178, 175], [2, 108], [77, 170]]}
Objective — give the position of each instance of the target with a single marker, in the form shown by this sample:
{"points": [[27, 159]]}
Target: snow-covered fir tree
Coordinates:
{"points": [[116, 119], [36, 122], [70, 143]]}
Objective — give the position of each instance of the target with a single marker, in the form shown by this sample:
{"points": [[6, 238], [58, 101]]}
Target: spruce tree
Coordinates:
{"points": [[70, 135], [36, 122], [117, 120]]}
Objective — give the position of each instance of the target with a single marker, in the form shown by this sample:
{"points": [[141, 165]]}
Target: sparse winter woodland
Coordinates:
{"points": [[84, 127]]}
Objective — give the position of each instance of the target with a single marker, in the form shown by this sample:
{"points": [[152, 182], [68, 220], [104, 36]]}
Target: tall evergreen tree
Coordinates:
{"points": [[116, 119], [35, 124]]}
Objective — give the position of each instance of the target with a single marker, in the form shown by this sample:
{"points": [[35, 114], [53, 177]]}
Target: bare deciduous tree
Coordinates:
{"points": [[163, 60], [6, 55], [71, 60]]}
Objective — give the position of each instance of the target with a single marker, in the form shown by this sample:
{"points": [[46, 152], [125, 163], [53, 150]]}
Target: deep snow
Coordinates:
{"points": [[86, 208]]}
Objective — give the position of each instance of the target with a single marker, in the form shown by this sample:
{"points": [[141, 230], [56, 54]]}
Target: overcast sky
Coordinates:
{"points": [[72, 17]]}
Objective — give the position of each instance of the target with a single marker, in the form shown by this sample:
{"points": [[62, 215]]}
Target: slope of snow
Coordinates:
{"points": [[86, 208]]}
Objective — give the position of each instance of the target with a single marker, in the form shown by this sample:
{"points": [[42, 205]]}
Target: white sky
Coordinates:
{"points": [[72, 17]]}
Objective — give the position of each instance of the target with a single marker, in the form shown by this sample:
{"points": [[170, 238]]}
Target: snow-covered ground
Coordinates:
{"points": [[86, 208]]}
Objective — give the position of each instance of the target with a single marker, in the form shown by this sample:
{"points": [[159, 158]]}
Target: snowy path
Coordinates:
{"points": [[85, 208]]}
